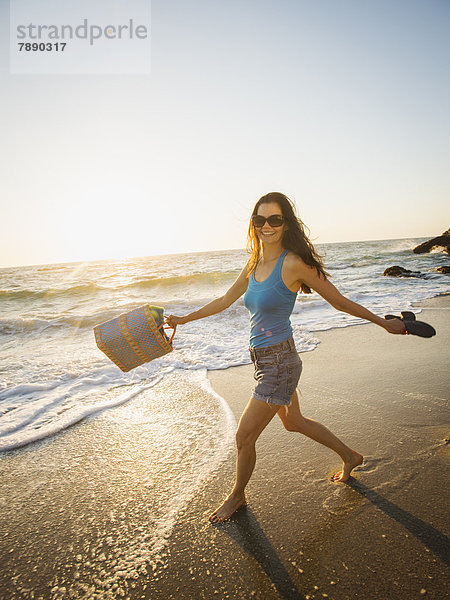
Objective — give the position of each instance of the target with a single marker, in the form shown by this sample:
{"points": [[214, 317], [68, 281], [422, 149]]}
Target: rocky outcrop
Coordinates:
{"points": [[442, 241], [397, 271]]}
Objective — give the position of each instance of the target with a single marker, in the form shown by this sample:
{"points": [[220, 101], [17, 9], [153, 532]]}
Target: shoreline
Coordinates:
{"points": [[382, 536]]}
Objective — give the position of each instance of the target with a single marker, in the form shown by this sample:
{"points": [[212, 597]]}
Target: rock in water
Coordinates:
{"points": [[442, 241], [397, 271]]}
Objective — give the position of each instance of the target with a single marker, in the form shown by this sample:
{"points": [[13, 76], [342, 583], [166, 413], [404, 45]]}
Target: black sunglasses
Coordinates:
{"points": [[273, 220]]}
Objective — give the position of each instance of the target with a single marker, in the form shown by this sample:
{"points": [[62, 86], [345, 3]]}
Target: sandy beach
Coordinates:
{"points": [[383, 535]]}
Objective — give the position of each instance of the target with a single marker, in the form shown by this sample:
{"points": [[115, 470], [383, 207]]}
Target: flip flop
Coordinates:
{"points": [[414, 327]]}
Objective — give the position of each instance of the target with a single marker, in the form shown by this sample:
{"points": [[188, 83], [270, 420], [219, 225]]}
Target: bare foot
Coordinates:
{"points": [[355, 460], [228, 508]]}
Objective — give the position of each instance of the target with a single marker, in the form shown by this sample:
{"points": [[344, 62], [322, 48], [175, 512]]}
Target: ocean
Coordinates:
{"points": [[53, 376]]}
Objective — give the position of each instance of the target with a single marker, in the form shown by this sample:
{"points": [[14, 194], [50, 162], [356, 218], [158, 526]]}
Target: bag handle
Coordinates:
{"points": [[174, 330]]}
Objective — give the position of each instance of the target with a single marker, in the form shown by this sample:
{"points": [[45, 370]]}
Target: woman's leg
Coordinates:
{"points": [[293, 420], [256, 416]]}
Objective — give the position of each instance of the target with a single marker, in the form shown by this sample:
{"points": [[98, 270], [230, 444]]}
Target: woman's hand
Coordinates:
{"points": [[394, 326], [172, 320]]}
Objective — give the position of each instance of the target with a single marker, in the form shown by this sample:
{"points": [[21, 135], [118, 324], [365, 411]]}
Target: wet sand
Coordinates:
{"points": [[382, 536]]}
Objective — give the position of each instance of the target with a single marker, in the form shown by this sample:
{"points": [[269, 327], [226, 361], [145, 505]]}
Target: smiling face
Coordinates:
{"points": [[266, 233]]}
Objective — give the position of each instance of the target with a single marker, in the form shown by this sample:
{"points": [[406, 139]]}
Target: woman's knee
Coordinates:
{"points": [[298, 425], [245, 438]]}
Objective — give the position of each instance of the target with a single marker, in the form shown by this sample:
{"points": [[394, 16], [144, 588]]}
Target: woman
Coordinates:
{"points": [[282, 262]]}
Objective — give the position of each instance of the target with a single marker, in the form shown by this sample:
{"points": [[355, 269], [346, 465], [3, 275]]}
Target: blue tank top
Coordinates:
{"points": [[270, 304]]}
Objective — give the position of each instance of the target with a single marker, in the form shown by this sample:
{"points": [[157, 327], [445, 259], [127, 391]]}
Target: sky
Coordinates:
{"points": [[341, 105]]}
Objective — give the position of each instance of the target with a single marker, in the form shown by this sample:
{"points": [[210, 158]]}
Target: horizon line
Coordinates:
{"points": [[126, 258]]}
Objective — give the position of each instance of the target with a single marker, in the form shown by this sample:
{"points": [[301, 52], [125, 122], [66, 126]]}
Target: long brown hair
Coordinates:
{"points": [[294, 238]]}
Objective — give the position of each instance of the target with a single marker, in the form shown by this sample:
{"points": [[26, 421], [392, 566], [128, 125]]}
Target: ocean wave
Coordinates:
{"points": [[90, 288], [208, 278], [83, 288], [29, 421], [39, 323]]}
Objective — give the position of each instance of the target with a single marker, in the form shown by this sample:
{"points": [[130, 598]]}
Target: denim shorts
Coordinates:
{"points": [[277, 372]]}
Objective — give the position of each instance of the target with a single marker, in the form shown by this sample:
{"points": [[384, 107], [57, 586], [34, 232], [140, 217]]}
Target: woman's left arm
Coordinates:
{"points": [[333, 296]]}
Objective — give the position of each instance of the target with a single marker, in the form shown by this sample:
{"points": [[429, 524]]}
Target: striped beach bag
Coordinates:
{"points": [[135, 337]]}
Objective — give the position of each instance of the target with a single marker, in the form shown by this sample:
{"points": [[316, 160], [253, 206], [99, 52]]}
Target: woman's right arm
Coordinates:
{"points": [[218, 305]]}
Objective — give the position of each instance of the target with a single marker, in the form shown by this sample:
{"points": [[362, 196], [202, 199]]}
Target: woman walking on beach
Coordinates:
{"points": [[283, 262]]}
